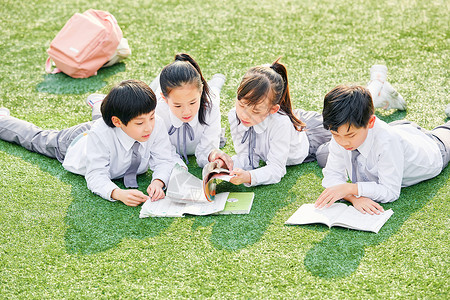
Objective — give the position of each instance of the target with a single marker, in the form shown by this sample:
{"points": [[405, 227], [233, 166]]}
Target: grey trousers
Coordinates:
{"points": [[440, 134], [317, 135], [51, 143]]}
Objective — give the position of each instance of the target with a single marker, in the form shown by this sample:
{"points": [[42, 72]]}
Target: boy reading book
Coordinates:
{"points": [[379, 158], [123, 140]]}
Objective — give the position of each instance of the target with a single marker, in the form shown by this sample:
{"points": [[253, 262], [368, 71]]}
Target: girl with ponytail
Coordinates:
{"points": [[189, 107], [265, 127]]}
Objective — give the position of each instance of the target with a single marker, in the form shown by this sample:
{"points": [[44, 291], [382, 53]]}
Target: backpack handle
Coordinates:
{"points": [[48, 67]]}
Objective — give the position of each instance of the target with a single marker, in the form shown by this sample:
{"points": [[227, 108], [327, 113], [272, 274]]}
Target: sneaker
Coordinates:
{"points": [[217, 81], [383, 94], [393, 99], [4, 112], [378, 72], [447, 110], [93, 99]]}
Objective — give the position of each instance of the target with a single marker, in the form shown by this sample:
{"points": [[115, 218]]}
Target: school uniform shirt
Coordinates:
{"points": [[277, 143], [206, 136], [391, 157], [105, 153]]}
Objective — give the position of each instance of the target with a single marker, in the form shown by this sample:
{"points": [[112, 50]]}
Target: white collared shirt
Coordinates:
{"points": [[206, 137], [391, 157], [105, 153], [278, 144]]}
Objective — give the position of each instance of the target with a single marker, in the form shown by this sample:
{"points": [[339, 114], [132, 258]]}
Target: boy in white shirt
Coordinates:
{"points": [[379, 158], [124, 140]]}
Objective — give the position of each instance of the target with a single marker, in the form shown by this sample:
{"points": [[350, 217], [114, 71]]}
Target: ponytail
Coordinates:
{"points": [[285, 100], [262, 82], [185, 70]]}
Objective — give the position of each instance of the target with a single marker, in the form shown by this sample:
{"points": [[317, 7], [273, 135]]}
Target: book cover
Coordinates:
{"points": [[238, 203]]}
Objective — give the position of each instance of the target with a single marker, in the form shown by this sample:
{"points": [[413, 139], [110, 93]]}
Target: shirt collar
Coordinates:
{"points": [[366, 146], [125, 140]]}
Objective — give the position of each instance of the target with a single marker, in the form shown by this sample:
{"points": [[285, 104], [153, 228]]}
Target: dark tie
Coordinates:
{"points": [[129, 179], [251, 136], [355, 154], [187, 129]]}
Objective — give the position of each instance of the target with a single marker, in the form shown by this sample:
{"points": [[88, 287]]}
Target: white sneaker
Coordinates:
{"points": [[4, 112], [383, 94], [93, 99], [378, 72], [392, 97], [447, 110], [217, 81]]}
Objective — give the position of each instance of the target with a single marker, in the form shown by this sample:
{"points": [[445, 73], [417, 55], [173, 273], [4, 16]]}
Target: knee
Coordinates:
{"points": [[322, 155]]}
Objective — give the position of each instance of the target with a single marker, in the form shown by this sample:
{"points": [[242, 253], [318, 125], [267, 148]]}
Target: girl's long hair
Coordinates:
{"points": [[270, 82], [185, 70]]}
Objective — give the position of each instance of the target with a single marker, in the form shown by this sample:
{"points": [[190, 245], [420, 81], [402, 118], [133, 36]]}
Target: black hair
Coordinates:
{"points": [[260, 83], [127, 100], [185, 70], [347, 104]]}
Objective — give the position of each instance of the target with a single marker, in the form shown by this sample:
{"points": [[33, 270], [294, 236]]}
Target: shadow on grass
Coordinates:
{"points": [[93, 224], [234, 232], [340, 252], [63, 84]]}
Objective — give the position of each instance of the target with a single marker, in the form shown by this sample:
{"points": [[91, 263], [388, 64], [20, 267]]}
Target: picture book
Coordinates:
{"points": [[185, 195], [211, 172], [339, 214]]}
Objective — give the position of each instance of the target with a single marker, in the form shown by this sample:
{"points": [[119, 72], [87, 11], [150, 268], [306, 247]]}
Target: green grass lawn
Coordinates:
{"points": [[58, 240]]}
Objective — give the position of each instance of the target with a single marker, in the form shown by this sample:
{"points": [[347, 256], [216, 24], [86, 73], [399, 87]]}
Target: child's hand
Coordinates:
{"points": [[129, 197], [334, 193], [364, 204], [155, 190], [240, 176], [223, 160]]}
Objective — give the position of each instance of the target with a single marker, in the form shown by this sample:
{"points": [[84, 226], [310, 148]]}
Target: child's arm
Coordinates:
{"points": [[240, 176], [129, 197], [210, 138], [163, 156], [155, 190], [347, 191], [276, 158], [223, 160]]}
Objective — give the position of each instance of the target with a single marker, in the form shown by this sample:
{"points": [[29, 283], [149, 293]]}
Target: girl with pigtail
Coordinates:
{"points": [[265, 127], [189, 107]]}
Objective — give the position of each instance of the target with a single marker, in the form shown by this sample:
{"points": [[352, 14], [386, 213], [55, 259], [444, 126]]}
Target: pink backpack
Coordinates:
{"points": [[84, 44]]}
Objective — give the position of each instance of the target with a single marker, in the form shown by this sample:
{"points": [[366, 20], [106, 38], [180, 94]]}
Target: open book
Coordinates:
{"points": [[185, 195], [210, 173], [339, 214]]}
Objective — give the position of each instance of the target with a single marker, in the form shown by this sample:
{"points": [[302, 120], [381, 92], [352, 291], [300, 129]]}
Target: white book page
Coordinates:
{"points": [[207, 208], [168, 207], [165, 207], [354, 219], [308, 214], [185, 186]]}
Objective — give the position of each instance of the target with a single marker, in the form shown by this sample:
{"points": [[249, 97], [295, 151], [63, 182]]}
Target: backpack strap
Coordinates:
{"points": [[48, 67]]}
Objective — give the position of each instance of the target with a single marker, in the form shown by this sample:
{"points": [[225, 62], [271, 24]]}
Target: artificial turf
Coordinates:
{"points": [[58, 240]]}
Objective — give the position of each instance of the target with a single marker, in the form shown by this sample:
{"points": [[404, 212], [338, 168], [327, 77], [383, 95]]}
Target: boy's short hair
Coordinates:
{"points": [[347, 104], [127, 100]]}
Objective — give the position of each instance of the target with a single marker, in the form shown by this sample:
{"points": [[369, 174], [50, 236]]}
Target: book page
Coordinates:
{"points": [[165, 207], [169, 207], [354, 219], [185, 186], [308, 214]]}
